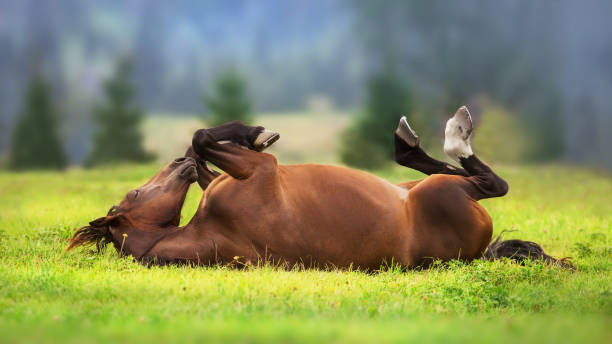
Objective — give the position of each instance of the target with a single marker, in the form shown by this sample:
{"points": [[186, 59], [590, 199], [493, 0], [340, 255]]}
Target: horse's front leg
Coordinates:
{"points": [[240, 156], [205, 174]]}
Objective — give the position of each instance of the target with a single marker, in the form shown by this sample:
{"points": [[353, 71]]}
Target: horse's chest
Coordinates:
{"points": [[239, 202]]}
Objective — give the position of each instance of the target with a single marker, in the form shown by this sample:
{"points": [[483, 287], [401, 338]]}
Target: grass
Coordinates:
{"points": [[47, 295]]}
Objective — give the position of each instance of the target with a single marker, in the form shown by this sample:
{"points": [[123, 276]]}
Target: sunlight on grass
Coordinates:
{"points": [[46, 293]]}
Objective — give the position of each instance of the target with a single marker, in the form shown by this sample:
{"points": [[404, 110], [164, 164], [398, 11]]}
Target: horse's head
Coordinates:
{"points": [[145, 215]]}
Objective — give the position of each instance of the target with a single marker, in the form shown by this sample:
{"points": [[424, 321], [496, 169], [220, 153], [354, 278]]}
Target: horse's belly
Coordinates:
{"points": [[319, 215], [339, 229]]}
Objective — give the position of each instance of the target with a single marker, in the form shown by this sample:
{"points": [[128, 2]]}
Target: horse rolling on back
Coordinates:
{"points": [[315, 215]]}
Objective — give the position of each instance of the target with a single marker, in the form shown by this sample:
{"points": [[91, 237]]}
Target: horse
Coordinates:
{"points": [[309, 214]]}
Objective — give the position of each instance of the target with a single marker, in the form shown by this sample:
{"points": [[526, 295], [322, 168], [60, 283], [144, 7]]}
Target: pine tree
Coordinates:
{"points": [[36, 143], [118, 138], [230, 101], [368, 143]]}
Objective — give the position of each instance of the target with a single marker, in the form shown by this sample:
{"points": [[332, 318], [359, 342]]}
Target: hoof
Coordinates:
{"points": [[406, 133], [265, 139], [457, 135], [463, 122]]}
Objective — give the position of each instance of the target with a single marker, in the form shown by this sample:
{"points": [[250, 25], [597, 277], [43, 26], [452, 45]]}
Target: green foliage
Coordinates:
{"points": [[369, 142], [502, 136], [538, 104], [435, 41], [230, 101], [48, 295], [35, 142], [118, 137], [355, 150], [545, 121]]}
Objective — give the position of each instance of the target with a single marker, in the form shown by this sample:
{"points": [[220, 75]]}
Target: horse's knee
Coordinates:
{"points": [[491, 185], [201, 139], [502, 187]]}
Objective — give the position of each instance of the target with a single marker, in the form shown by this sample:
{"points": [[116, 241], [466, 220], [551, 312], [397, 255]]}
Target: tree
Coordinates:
{"points": [[118, 138], [369, 142], [36, 143], [433, 41], [230, 101]]}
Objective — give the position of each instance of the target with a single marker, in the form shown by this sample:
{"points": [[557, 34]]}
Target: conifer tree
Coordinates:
{"points": [[230, 101], [368, 143], [118, 137], [35, 142]]}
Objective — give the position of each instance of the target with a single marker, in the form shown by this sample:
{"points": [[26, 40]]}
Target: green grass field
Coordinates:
{"points": [[48, 295]]}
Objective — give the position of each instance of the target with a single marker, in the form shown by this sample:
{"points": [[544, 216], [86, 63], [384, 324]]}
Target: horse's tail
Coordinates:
{"points": [[520, 251]]}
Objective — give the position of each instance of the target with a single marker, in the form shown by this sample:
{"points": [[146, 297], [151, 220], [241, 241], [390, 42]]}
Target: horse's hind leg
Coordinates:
{"points": [[408, 153], [483, 182]]}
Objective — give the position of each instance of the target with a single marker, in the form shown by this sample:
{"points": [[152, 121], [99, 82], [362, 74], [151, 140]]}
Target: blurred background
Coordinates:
{"points": [[89, 83]]}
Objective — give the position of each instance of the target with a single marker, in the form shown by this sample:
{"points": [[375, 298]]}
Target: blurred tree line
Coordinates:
{"points": [[546, 63], [230, 100], [368, 143], [118, 138], [455, 53], [36, 143], [291, 50]]}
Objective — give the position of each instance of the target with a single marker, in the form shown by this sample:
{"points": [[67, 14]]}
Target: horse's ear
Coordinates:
{"points": [[98, 232]]}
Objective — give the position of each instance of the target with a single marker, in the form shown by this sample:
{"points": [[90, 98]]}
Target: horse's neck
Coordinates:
{"points": [[183, 244]]}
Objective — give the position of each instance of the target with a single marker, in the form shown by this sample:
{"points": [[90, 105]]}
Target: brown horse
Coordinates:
{"points": [[316, 215]]}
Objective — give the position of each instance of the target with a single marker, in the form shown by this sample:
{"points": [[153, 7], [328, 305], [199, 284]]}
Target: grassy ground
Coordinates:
{"points": [[47, 295]]}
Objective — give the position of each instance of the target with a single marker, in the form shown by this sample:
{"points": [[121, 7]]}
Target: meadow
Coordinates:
{"points": [[49, 295]]}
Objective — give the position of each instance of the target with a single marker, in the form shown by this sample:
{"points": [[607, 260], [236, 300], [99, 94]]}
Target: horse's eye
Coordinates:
{"points": [[133, 194]]}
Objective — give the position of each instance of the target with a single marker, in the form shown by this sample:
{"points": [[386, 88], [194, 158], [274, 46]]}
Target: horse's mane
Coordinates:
{"points": [[97, 232]]}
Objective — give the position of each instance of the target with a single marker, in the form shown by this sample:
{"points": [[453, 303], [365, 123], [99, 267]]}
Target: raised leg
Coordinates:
{"points": [[238, 156], [408, 153], [483, 182], [205, 174], [254, 138]]}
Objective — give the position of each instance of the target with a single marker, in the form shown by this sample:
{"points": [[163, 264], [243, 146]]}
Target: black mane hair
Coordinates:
{"points": [[98, 232]]}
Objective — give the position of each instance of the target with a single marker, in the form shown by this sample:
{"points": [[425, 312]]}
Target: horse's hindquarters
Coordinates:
{"points": [[446, 223]]}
